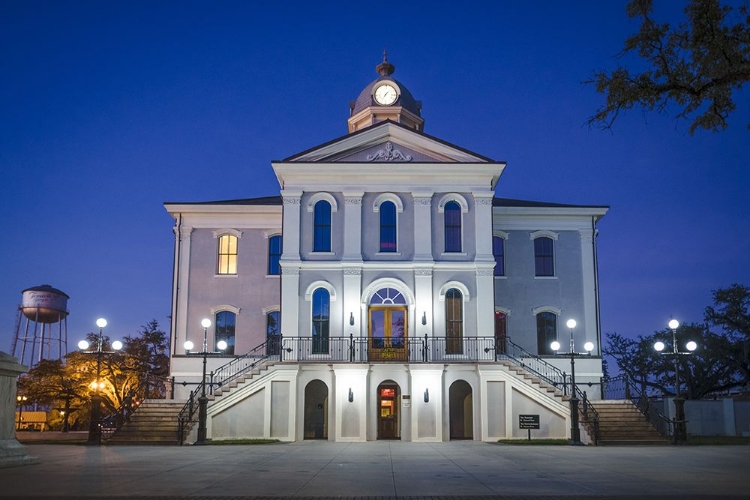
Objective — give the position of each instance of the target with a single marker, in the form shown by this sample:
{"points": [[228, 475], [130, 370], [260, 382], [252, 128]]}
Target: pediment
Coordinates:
{"points": [[388, 142]]}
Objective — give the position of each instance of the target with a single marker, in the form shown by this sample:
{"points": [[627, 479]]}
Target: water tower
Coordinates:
{"points": [[42, 325]]}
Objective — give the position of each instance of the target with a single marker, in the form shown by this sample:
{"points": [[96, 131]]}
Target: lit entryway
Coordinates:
{"points": [[316, 410], [389, 400]]}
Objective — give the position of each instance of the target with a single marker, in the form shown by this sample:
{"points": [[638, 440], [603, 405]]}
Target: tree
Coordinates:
{"points": [[697, 66], [50, 382], [731, 314]]}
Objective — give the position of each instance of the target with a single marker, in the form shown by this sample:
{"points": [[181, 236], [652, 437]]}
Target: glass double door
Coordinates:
{"points": [[388, 333]]}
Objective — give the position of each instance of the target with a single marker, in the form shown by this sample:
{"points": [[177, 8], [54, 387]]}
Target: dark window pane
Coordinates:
{"points": [[273, 320], [225, 321], [544, 257], [320, 321], [387, 227], [501, 332], [322, 227], [498, 250], [274, 255], [546, 332], [452, 227]]}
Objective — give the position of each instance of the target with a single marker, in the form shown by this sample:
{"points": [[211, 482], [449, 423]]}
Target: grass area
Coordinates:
{"points": [[718, 440], [242, 441], [533, 442]]}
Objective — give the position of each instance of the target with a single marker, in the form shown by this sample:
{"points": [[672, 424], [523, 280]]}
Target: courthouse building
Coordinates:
{"points": [[385, 292]]}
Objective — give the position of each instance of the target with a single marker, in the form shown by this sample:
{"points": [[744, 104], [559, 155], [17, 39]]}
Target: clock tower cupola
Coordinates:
{"points": [[385, 99]]}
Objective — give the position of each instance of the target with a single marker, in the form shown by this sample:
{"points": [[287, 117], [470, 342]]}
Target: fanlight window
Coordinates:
{"points": [[388, 296]]}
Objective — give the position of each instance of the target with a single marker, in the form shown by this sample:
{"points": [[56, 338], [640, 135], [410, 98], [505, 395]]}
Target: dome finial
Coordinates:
{"points": [[385, 68]]}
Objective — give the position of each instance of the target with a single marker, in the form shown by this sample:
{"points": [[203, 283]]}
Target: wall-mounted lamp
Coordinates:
{"points": [[426, 395], [351, 395], [424, 318], [351, 319]]}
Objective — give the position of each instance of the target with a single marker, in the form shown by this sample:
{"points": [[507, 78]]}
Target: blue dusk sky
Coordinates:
{"points": [[109, 109]]}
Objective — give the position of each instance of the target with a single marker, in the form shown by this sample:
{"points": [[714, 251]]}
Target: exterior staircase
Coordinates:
{"points": [[622, 423], [242, 379], [153, 423]]}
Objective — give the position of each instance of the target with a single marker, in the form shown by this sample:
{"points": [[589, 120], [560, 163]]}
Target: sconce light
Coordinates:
{"points": [[424, 318], [426, 395], [351, 395], [351, 319]]}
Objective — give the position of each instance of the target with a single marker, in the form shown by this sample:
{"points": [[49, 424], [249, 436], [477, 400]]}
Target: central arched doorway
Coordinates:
{"points": [[389, 418], [316, 410], [461, 405], [388, 326]]}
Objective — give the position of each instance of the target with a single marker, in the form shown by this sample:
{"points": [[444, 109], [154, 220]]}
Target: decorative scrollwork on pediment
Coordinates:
{"points": [[389, 154]]}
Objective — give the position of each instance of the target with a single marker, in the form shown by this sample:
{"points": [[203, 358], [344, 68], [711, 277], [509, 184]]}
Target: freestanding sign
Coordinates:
{"points": [[528, 422]]}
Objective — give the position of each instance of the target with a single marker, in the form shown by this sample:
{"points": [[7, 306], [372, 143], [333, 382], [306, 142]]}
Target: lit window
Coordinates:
{"points": [[498, 250], [546, 332], [225, 322], [322, 227], [273, 332], [274, 255], [321, 320], [454, 321], [452, 227], [544, 262], [387, 227], [227, 254]]}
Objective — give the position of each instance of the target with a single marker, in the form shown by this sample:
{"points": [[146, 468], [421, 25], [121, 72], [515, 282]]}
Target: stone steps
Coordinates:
{"points": [[621, 423], [153, 423]]}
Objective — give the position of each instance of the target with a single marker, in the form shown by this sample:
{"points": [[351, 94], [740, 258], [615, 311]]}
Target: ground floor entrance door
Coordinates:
{"points": [[388, 333], [389, 398]]}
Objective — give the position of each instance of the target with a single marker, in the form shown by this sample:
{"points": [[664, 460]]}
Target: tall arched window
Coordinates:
{"points": [[227, 263], [225, 322], [454, 321], [452, 227], [546, 331], [544, 259], [274, 255], [388, 227], [321, 320], [498, 251], [322, 227], [273, 332]]}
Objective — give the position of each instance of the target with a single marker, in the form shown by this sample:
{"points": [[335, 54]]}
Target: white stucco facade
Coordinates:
{"points": [[395, 321]]}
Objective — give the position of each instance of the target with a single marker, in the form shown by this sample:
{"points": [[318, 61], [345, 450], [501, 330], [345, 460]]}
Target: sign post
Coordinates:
{"points": [[528, 422]]}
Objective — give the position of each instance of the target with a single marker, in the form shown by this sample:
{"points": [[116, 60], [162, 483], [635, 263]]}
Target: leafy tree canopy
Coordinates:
{"points": [[696, 65]]}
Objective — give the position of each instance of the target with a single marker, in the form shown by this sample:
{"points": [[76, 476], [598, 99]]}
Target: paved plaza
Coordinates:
{"points": [[381, 470]]}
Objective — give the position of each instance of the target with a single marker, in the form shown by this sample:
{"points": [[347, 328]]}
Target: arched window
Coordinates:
{"points": [[498, 251], [322, 227], [546, 331], [227, 254], [388, 227], [454, 321], [274, 255], [452, 227], [273, 332], [225, 322], [321, 320], [388, 296], [544, 261]]}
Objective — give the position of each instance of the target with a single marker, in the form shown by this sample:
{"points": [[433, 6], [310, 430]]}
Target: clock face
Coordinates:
{"points": [[386, 94]]}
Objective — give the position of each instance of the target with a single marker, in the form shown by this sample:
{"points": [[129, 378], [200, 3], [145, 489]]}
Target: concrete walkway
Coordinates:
{"points": [[381, 469]]}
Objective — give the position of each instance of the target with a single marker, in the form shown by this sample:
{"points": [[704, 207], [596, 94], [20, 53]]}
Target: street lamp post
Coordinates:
{"points": [[95, 431], [680, 427], [203, 399], [575, 431], [21, 401]]}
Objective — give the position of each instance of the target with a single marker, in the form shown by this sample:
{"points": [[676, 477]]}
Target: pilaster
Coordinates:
{"points": [[183, 234], [352, 226], [589, 288], [423, 226]]}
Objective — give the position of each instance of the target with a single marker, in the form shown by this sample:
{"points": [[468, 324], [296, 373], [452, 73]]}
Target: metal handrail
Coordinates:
{"points": [[534, 364]]}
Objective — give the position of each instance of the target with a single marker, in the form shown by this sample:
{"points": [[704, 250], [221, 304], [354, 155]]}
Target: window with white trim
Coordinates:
{"points": [[227, 254]]}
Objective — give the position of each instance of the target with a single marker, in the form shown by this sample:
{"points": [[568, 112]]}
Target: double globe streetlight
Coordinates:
{"points": [[203, 399], [95, 430], [680, 429], [575, 431]]}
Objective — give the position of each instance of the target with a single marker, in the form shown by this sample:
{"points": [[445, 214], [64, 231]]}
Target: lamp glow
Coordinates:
{"points": [[83, 345], [659, 346], [691, 346], [221, 345], [588, 346], [673, 324], [205, 322], [188, 345], [571, 323], [555, 345], [101, 322], [116, 345]]}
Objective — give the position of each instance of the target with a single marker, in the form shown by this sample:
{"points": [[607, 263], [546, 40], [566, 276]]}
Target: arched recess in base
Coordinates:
{"points": [[461, 407], [316, 410]]}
